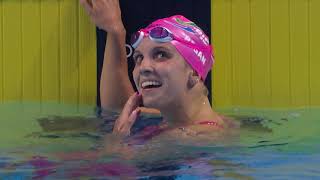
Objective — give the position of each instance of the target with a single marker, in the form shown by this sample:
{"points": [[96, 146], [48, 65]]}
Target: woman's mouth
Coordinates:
{"points": [[150, 84]]}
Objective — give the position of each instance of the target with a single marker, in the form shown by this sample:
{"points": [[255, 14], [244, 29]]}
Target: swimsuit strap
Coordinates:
{"points": [[209, 123]]}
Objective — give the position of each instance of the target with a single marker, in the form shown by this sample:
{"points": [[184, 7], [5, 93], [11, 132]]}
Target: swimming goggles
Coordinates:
{"points": [[161, 35]]}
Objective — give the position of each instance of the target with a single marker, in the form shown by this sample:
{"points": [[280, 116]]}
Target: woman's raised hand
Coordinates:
{"points": [[106, 14], [128, 115]]}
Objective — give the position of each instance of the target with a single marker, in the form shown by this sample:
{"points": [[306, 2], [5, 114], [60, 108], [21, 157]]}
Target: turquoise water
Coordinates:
{"points": [[53, 141]]}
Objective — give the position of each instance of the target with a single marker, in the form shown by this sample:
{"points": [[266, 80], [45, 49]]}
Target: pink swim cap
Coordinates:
{"points": [[195, 47]]}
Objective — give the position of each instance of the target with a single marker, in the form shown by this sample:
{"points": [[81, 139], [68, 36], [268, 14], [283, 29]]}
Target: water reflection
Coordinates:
{"points": [[68, 142]]}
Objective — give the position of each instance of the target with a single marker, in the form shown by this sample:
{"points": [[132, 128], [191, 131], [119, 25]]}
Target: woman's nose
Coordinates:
{"points": [[146, 67]]}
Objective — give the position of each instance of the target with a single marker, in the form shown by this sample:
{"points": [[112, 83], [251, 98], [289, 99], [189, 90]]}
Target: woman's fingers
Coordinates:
{"points": [[133, 117], [125, 128], [128, 115], [89, 2], [96, 4], [106, 14], [87, 6], [133, 102]]}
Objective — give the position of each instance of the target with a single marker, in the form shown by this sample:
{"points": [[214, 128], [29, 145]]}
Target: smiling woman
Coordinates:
{"points": [[172, 59]]}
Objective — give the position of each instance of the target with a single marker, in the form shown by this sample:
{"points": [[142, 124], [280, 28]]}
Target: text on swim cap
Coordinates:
{"points": [[203, 37], [200, 55], [187, 38]]}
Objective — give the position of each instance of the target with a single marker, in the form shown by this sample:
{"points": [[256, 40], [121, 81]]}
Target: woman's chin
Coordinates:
{"points": [[153, 98], [151, 102]]}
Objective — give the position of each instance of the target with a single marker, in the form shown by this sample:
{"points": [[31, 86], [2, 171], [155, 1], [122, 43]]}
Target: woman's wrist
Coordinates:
{"points": [[116, 30]]}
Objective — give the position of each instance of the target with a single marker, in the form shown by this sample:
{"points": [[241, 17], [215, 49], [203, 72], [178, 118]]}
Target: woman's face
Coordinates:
{"points": [[160, 73]]}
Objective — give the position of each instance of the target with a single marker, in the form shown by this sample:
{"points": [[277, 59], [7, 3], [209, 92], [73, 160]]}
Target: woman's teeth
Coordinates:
{"points": [[149, 84]]}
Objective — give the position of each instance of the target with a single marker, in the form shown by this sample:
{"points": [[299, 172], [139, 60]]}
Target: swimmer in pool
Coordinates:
{"points": [[172, 59]]}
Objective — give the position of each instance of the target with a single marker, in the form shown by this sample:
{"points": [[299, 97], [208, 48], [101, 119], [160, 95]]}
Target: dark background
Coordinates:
{"points": [[139, 13]]}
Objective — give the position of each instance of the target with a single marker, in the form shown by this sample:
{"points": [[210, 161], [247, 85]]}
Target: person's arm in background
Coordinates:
{"points": [[115, 86]]}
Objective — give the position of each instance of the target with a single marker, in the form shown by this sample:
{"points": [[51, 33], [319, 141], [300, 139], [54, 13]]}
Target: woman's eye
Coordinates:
{"points": [[137, 59], [160, 55]]}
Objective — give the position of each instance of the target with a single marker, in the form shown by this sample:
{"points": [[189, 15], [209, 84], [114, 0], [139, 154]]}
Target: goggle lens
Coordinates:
{"points": [[159, 34]]}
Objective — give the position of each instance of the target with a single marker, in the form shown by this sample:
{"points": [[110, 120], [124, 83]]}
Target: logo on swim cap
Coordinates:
{"points": [[180, 21], [189, 29]]}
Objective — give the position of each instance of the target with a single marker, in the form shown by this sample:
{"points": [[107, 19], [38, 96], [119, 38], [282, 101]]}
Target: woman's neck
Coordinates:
{"points": [[189, 111]]}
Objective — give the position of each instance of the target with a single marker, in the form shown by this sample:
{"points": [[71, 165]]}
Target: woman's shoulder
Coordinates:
{"points": [[230, 122]]}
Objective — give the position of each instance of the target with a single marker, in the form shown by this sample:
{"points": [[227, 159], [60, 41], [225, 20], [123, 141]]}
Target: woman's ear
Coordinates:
{"points": [[193, 79]]}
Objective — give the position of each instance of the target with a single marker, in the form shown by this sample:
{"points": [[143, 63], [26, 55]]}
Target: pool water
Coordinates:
{"points": [[54, 141]]}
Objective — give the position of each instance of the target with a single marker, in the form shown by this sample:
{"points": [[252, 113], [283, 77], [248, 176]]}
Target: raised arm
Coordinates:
{"points": [[115, 86]]}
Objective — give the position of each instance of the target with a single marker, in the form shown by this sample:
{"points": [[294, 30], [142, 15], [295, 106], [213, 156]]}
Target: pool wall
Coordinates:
{"points": [[266, 52], [47, 52]]}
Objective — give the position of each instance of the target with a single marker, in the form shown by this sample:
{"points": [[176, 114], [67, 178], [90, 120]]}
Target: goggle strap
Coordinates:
{"points": [[137, 42]]}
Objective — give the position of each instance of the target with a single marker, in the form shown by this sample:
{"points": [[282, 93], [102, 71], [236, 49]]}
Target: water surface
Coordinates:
{"points": [[54, 141]]}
